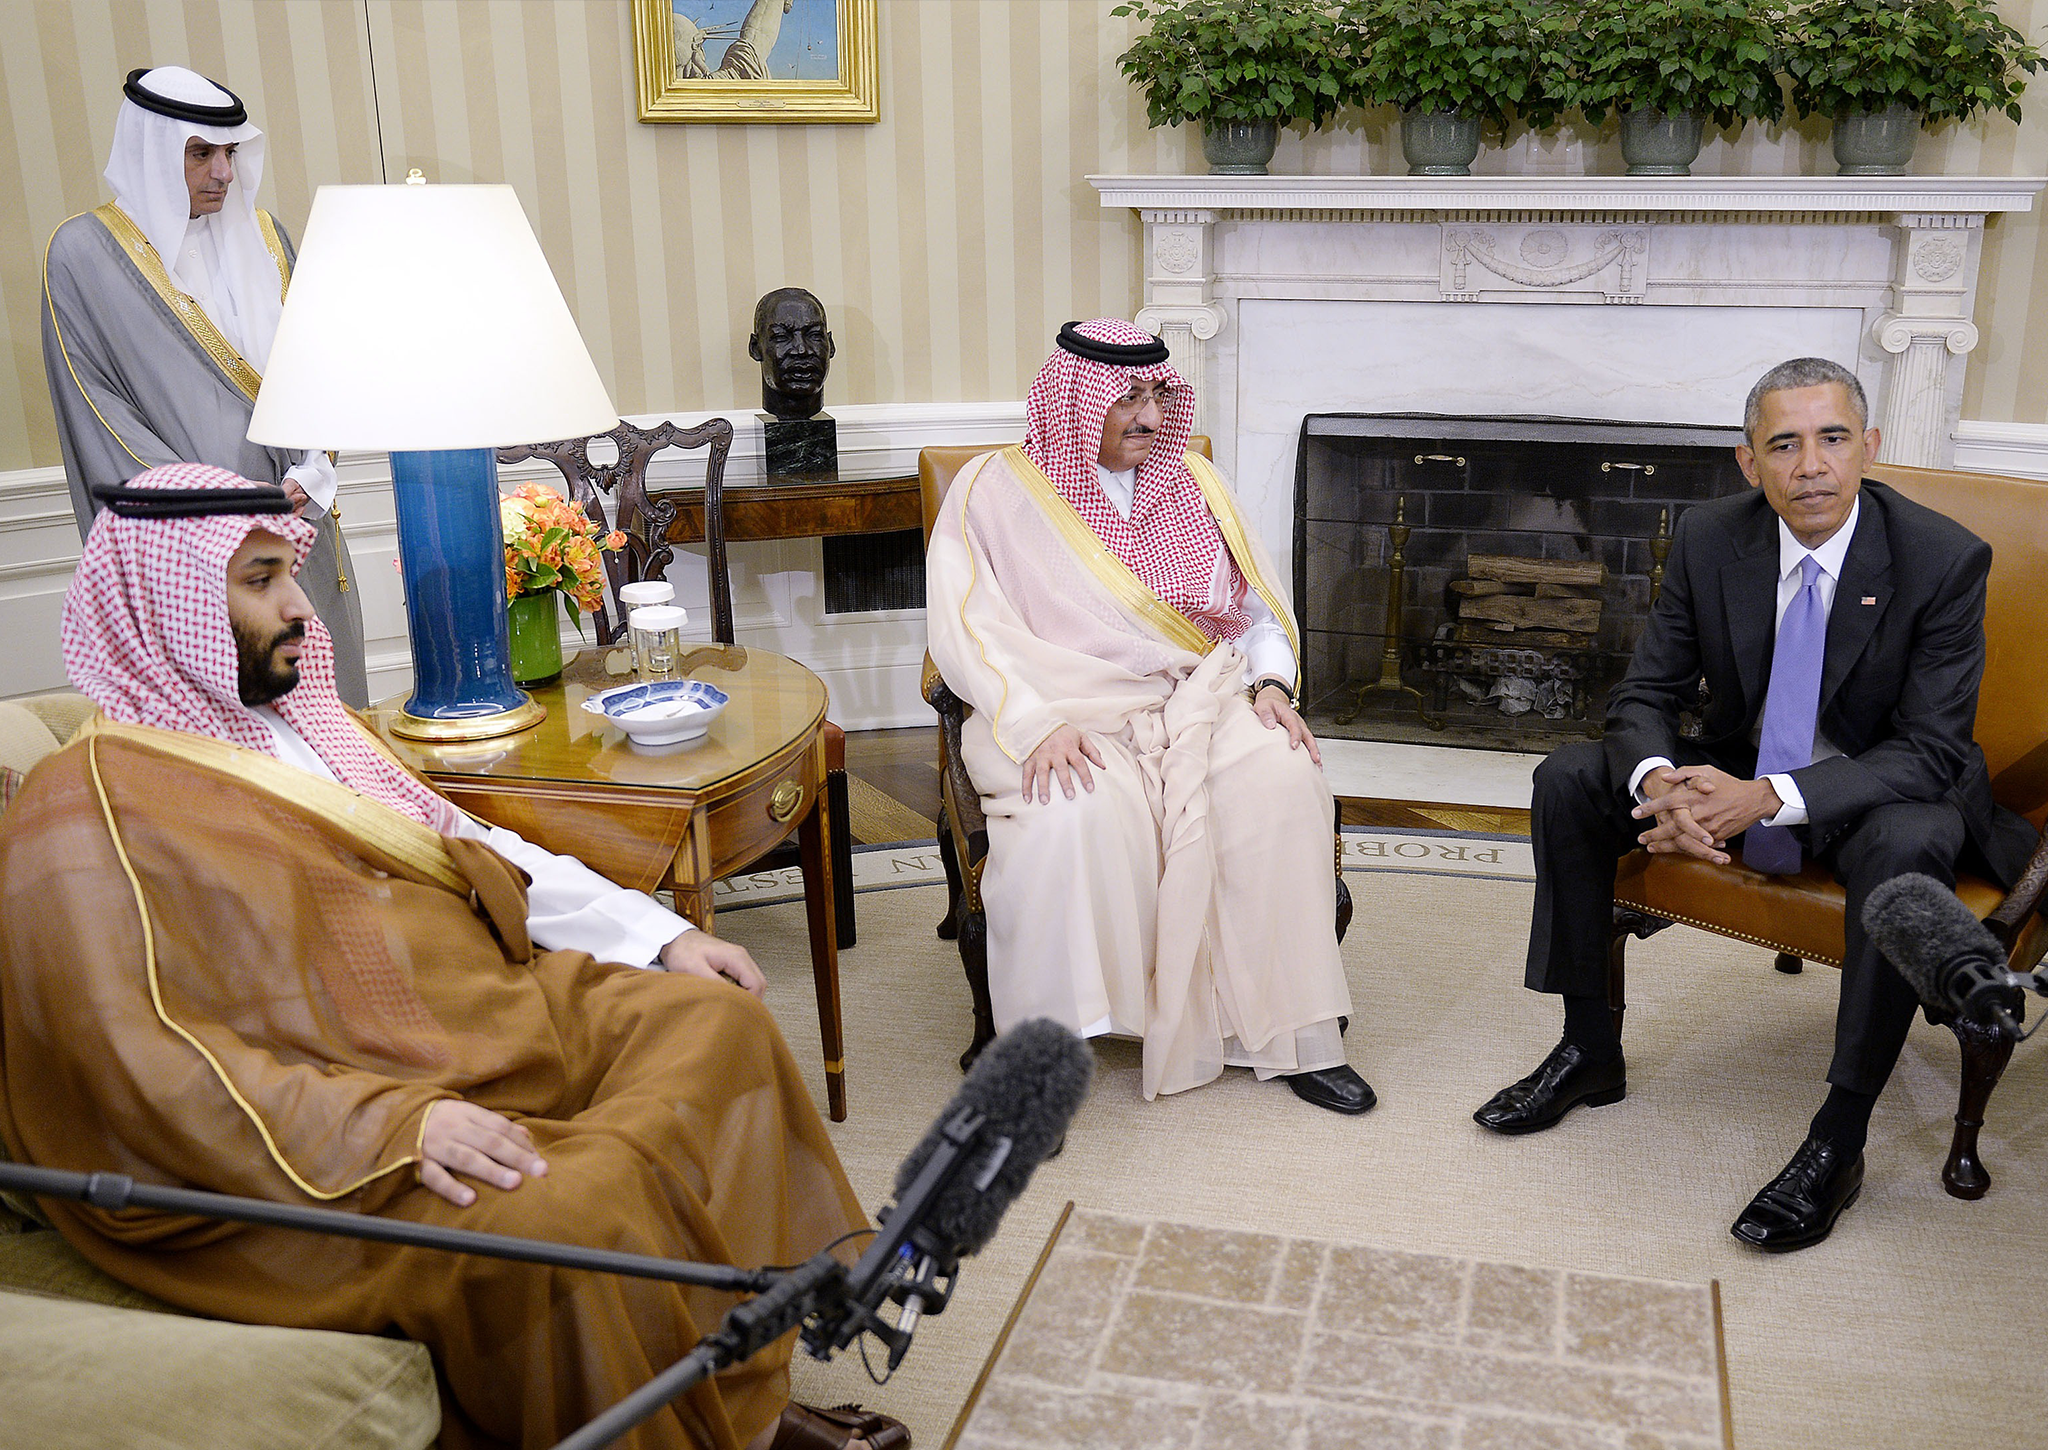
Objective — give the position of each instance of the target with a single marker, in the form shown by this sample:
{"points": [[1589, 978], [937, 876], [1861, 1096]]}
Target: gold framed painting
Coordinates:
{"points": [[757, 60]]}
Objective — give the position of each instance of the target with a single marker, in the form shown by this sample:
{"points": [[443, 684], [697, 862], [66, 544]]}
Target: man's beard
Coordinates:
{"points": [[260, 675]]}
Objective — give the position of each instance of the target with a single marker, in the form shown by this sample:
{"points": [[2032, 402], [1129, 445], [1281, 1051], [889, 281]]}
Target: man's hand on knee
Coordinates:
{"points": [[1720, 804], [460, 1137], [1277, 712], [1065, 753], [1676, 833], [700, 954]]}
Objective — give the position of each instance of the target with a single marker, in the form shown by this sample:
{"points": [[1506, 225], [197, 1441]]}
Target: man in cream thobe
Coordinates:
{"points": [[1159, 834]]}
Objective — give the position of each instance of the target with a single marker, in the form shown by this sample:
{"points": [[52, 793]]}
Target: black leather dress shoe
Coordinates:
{"points": [[1340, 1089], [1799, 1207], [1563, 1081]]}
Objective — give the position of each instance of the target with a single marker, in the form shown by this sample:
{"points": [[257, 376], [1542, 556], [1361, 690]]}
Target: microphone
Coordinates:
{"points": [[953, 1188], [1945, 954]]}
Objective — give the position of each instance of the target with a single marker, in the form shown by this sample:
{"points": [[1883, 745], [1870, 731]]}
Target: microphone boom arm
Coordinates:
{"points": [[114, 1191]]}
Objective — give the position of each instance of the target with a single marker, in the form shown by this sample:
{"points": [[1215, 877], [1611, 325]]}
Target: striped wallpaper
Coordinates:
{"points": [[947, 241]]}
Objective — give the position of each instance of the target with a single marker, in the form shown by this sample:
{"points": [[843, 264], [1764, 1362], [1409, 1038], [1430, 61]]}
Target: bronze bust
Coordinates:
{"points": [[794, 349]]}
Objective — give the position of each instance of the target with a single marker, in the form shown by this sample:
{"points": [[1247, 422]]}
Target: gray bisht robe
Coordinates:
{"points": [[140, 377]]}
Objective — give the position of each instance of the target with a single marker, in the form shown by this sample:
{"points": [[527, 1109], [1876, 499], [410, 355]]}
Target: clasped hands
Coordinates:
{"points": [[1067, 753], [1699, 809], [462, 1137]]}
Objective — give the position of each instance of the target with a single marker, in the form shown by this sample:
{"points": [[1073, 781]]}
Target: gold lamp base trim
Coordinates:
{"points": [[473, 727]]}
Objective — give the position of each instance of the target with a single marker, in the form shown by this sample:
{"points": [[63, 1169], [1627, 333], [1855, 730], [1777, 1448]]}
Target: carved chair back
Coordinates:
{"points": [[643, 518]]}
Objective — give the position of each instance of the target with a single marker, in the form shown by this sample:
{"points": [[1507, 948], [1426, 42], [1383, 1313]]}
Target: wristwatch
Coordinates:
{"points": [[1252, 691]]}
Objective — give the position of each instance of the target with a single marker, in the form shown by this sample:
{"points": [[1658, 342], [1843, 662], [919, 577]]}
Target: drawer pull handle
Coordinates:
{"points": [[783, 803], [1439, 458], [1649, 470]]}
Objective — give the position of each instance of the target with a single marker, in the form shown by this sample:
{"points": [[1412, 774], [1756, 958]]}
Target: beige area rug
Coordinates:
{"points": [[1220, 1338], [1915, 1325]]}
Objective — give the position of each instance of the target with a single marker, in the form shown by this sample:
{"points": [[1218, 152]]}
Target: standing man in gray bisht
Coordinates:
{"points": [[158, 313]]}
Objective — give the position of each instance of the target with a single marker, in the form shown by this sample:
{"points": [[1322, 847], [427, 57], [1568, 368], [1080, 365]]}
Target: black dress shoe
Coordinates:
{"points": [[1563, 1081], [1340, 1089], [1799, 1207]]}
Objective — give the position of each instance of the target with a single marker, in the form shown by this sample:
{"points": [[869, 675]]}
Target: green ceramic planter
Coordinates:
{"points": [[1876, 143], [535, 624], [1439, 143], [1239, 148], [1654, 143]]}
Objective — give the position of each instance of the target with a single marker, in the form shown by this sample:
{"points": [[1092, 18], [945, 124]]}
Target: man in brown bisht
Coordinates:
{"points": [[243, 949], [1097, 598]]}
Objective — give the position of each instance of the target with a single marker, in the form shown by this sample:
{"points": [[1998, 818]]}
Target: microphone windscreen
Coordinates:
{"points": [[1028, 1083], [1923, 931]]}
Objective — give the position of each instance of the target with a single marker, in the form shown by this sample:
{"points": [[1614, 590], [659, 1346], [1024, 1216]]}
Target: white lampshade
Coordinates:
{"points": [[421, 318]]}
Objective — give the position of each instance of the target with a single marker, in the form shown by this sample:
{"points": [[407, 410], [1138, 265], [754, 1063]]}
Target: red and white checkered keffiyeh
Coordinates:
{"points": [[1170, 541], [146, 634]]}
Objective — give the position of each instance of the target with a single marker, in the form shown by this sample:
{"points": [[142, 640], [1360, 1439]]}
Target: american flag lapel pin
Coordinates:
{"points": [[1870, 599]]}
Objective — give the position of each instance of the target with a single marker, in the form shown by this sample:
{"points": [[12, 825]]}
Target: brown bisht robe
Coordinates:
{"points": [[221, 972]]}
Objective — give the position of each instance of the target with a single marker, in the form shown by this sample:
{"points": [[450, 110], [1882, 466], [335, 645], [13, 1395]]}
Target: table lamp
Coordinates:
{"points": [[423, 320]]}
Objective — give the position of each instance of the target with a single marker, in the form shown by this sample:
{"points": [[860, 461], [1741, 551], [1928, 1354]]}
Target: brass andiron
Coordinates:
{"points": [[1389, 680]]}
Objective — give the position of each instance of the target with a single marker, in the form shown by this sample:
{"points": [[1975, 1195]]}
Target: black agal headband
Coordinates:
{"points": [[1116, 354], [234, 114], [191, 503]]}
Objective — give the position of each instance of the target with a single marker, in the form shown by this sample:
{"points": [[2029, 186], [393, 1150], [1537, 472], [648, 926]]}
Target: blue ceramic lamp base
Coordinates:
{"points": [[451, 555]]}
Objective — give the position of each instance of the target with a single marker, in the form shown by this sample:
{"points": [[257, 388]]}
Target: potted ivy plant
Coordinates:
{"points": [[1242, 68], [1667, 67], [1883, 69], [1453, 66]]}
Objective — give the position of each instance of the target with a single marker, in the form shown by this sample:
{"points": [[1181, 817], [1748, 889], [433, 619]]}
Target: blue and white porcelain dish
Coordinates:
{"points": [[660, 712]]}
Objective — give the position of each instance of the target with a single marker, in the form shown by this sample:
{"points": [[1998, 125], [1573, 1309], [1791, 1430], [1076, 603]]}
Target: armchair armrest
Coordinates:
{"points": [[932, 685], [963, 801]]}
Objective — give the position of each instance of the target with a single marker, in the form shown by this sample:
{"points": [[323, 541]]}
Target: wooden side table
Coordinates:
{"points": [[675, 817]]}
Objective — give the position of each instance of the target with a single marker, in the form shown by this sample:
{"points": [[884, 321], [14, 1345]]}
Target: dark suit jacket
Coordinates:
{"points": [[1905, 653]]}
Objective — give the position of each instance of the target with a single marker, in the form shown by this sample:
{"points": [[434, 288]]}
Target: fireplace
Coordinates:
{"points": [[1482, 581]]}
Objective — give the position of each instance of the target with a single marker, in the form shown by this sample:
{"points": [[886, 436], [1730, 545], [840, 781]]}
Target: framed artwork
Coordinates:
{"points": [[756, 60]]}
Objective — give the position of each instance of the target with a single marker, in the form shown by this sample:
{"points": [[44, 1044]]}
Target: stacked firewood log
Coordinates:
{"points": [[1530, 602]]}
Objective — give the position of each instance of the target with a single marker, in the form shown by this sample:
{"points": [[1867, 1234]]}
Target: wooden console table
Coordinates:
{"points": [[675, 817], [792, 510]]}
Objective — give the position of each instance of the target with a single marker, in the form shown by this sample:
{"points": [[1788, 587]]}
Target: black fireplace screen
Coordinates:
{"points": [[1482, 581]]}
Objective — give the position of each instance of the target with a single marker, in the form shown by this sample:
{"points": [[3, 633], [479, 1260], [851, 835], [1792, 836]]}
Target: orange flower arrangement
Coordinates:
{"points": [[552, 544]]}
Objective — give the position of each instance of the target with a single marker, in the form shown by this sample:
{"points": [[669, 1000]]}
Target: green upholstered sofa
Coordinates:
{"points": [[86, 1361]]}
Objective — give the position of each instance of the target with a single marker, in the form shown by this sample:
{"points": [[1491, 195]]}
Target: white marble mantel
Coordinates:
{"points": [[1555, 295]]}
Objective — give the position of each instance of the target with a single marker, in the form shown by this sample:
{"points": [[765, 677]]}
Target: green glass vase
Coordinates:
{"points": [[535, 625]]}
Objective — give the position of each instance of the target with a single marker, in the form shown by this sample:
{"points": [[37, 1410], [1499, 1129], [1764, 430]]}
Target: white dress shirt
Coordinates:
{"points": [[1791, 556], [1264, 642], [569, 907]]}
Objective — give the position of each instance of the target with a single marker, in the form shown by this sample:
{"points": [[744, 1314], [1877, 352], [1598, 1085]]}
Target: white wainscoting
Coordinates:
{"points": [[869, 661]]}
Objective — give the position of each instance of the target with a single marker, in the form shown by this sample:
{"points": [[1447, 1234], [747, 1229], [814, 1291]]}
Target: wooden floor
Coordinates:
{"points": [[893, 794]]}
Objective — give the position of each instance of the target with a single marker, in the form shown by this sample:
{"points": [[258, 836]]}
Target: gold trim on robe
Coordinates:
{"points": [[64, 350], [98, 729], [1223, 506], [1114, 574], [188, 312], [406, 842]]}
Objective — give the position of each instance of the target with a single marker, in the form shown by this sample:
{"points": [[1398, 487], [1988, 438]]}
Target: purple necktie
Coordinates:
{"points": [[1791, 712]]}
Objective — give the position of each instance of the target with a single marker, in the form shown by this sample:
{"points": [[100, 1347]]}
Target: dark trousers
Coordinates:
{"points": [[1580, 826]]}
